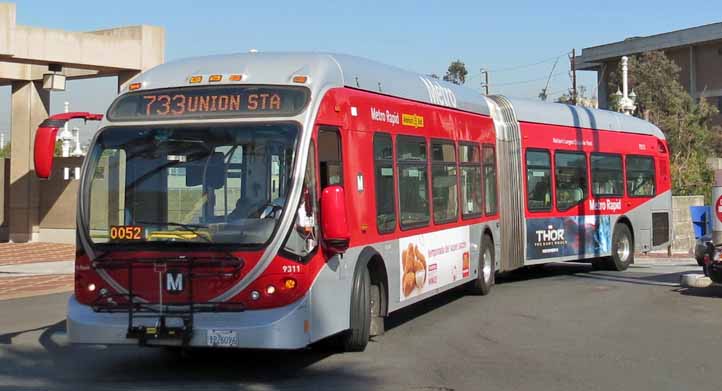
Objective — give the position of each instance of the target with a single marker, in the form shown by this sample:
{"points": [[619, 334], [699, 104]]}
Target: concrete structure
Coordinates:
{"points": [[26, 53], [683, 240], [697, 51]]}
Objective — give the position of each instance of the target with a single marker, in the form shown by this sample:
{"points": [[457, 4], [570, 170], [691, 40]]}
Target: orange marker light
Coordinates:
{"points": [[300, 79], [195, 79], [215, 78], [289, 283], [134, 86], [235, 77]]}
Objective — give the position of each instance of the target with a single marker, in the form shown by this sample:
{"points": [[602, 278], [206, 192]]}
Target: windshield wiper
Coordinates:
{"points": [[193, 228]]}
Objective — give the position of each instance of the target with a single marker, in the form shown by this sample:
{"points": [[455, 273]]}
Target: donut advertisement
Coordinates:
{"points": [[433, 260]]}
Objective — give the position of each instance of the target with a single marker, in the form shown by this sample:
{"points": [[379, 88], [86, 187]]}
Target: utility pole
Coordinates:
{"points": [[574, 76], [485, 83]]}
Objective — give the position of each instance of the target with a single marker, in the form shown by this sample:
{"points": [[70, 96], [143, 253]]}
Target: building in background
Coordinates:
{"points": [[697, 51], [33, 62]]}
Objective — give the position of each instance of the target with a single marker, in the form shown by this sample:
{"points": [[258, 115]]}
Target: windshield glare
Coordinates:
{"points": [[211, 184]]}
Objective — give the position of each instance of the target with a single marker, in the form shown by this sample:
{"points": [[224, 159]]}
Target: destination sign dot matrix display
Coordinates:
{"points": [[209, 102]]}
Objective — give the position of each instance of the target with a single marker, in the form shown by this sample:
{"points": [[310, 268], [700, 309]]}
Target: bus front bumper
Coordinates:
{"points": [[277, 328]]}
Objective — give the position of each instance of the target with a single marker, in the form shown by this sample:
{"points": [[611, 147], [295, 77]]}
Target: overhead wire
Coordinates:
{"points": [[516, 67], [513, 83]]}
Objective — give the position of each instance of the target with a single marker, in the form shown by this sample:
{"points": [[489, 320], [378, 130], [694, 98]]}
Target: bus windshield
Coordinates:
{"points": [[206, 184]]}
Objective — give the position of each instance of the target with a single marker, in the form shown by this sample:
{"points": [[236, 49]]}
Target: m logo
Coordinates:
{"points": [[174, 282]]}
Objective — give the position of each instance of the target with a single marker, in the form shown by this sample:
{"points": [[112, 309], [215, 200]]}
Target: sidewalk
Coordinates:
{"points": [[32, 269]]}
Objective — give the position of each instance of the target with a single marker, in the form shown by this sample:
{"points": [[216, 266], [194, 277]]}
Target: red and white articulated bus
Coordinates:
{"points": [[275, 200]]}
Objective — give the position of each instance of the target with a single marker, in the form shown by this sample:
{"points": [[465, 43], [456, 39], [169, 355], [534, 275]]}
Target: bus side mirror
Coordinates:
{"points": [[44, 150], [334, 224], [44, 147]]}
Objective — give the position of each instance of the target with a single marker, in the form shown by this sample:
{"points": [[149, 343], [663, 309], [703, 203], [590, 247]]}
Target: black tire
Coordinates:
{"points": [[486, 270], [356, 339], [622, 249]]}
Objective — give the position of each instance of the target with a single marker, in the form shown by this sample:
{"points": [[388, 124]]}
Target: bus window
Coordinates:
{"points": [[470, 171], [571, 178], [443, 180], [607, 178], [640, 176], [384, 173], [329, 157], [107, 201], [413, 181], [538, 180], [303, 238], [489, 159]]}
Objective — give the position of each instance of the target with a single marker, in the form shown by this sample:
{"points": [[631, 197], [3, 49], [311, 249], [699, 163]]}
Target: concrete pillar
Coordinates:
{"points": [[124, 77], [602, 90], [30, 106], [7, 29]]}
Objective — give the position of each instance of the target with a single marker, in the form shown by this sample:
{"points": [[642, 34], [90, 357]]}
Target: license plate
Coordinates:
{"points": [[222, 338]]}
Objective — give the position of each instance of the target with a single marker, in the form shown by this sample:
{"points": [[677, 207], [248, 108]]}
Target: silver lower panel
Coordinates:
{"points": [[277, 328]]}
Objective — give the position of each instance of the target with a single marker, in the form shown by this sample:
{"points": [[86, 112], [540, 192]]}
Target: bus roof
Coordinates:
{"points": [[324, 70], [341, 70], [581, 117]]}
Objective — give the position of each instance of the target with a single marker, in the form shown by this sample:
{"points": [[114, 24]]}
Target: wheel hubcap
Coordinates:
{"points": [[486, 265], [623, 249]]}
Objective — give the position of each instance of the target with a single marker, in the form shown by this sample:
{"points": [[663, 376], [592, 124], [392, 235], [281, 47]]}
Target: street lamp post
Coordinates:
{"points": [[626, 101]]}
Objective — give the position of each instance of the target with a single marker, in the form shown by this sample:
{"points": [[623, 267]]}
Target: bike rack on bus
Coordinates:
{"points": [[137, 307]]}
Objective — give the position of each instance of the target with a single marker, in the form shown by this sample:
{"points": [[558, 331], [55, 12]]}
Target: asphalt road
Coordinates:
{"points": [[563, 327]]}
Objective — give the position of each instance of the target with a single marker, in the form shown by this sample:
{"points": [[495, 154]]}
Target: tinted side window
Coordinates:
{"points": [[607, 178], [470, 171], [538, 180], [571, 178], [640, 176], [413, 181], [384, 175], [489, 159], [329, 157], [443, 179]]}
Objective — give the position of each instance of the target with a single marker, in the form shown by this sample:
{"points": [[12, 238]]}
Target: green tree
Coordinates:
{"points": [[5, 152], [686, 123], [58, 148], [456, 72]]}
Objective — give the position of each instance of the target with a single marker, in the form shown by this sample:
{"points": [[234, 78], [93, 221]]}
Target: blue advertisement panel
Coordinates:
{"points": [[583, 236]]}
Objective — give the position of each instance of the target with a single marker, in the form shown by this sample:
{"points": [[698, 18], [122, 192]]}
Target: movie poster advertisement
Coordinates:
{"points": [[584, 236], [432, 260]]}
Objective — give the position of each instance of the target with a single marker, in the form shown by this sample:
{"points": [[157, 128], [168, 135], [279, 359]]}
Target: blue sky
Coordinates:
{"points": [[422, 36]]}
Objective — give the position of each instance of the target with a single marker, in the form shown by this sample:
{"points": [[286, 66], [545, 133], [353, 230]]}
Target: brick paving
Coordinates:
{"points": [[26, 253], [17, 287], [20, 253]]}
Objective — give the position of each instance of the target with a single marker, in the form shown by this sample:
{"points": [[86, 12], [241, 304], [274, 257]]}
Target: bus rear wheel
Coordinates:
{"points": [[485, 275], [622, 250]]}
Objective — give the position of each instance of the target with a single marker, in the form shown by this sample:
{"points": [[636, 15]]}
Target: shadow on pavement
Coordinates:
{"points": [[523, 274], [665, 279], [714, 291], [56, 365]]}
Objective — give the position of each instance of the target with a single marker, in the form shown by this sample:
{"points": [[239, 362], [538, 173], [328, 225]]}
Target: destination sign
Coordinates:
{"points": [[209, 102]]}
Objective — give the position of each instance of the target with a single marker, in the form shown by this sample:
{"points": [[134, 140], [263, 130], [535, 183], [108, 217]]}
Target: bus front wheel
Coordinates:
{"points": [[356, 339]]}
